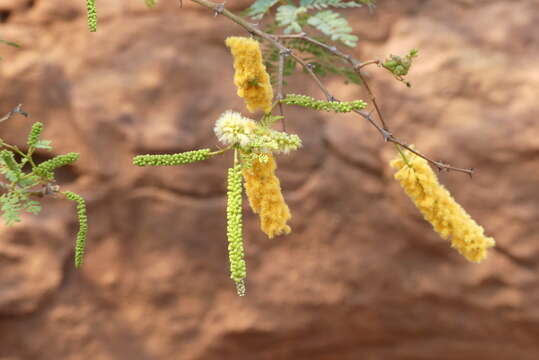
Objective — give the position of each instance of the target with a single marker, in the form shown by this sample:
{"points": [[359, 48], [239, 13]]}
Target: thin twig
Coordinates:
{"points": [[280, 83], [17, 109], [356, 65]]}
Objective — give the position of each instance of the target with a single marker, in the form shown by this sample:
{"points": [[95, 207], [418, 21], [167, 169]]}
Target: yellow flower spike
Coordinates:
{"points": [[439, 208], [264, 192], [251, 77]]}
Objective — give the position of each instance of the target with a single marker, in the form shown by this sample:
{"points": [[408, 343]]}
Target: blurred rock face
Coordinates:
{"points": [[362, 276]]}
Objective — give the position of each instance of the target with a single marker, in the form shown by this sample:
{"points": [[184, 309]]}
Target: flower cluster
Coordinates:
{"points": [[238, 270], [83, 226], [439, 208], [250, 77], [264, 192], [172, 159], [233, 129], [336, 106]]}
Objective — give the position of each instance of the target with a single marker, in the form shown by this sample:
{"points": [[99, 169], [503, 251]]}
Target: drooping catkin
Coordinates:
{"points": [[263, 189], [439, 208], [250, 77], [83, 226], [91, 13], [234, 230], [35, 133], [173, 159]]}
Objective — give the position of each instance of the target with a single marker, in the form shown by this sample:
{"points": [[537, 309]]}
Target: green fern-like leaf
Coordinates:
{"points": [[333, 25], [289, 16], [10, 43], [324, 4], [259, 8], [11, 208]]}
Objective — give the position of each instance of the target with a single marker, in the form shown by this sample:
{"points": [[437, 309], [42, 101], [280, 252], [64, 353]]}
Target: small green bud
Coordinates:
{"points": [[171, 160]]}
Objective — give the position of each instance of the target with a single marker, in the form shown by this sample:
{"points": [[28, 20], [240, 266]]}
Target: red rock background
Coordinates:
{"points": [[361, 277]]}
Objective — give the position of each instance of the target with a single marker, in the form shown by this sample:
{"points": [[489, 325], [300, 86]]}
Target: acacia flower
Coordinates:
{"points": [[232, 128], [264, 192], [236, 254], [439, 208], [250, 77]]}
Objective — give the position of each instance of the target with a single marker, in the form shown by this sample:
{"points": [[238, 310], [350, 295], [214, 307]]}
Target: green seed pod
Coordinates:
{"points": [[170, 160], [83, 226], [46, 168], [92, 15], [238, 270], [35, 133]]}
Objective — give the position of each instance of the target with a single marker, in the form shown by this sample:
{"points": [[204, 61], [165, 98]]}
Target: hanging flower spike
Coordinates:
{"points": [[234, 230], [92, 15], [251, 77], [264, 192], [439, 208], [83, 226], [46, 168]]}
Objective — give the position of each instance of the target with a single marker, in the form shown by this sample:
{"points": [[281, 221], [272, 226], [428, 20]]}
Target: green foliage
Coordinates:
{"points": [[150, 3], [173, 159], [323, 4], [83, 226], [10, 43], [260, 7], [91, 15], [21, 185], [399, 66], [333, 25], [236, 255], [336, 106]]}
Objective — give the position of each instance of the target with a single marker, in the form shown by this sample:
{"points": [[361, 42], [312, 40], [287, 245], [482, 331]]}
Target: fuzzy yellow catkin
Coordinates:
{"points": [[251, 77], [439, 208], [264, 192]]}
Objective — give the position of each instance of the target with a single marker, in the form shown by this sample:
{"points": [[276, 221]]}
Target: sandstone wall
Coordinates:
{"points": [[361, 277]]}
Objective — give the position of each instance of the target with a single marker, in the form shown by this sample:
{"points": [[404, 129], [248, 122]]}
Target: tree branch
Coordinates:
{"points": [[219, 9]]}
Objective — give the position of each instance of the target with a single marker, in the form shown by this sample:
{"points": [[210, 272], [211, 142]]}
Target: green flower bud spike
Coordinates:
{"points": [[92, 15], [174, 159], [9, 160], [83, 226], [336, 106], [236, 255], [151, 3], [46, 168], [35, 133]]}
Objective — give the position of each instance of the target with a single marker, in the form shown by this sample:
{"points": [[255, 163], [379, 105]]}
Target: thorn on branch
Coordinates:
{"points": [[285, 52], [387, 135], [219, 9], [470, 173]]}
